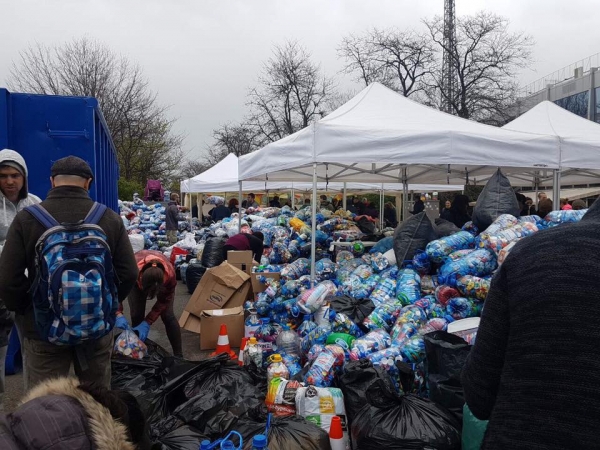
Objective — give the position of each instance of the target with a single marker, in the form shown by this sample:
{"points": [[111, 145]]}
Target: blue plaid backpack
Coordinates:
{"points": [[74, 294]]}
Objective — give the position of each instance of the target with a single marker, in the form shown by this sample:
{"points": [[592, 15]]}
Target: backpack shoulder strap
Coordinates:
{"points": [[95, 214], [42, 216]]}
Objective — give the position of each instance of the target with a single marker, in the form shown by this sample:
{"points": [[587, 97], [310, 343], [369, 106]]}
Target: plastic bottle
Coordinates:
{"points": [[372, 342], [259, 442], [321, 371], [277, 368], [311, 300], [408, 286], [251, 324], [204, 445], [288, 341], [384, 291], [253, 353]]}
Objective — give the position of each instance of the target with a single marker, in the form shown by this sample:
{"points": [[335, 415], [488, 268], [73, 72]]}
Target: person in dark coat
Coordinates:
{"points": [[545, 207], [419, 206], [275, 202], [389, 215], [220, 212], [68, 202], [172, 219], [446, 213], [533, 372], [233, 206], [61, 414], [246, 241], [459, 214], [371, 211]]}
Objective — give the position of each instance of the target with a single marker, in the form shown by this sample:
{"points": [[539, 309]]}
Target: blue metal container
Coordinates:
{"points": [[45, 128]]}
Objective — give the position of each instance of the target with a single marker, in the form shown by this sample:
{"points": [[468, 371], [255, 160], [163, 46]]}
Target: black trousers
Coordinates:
{"points": [[137, 308]]}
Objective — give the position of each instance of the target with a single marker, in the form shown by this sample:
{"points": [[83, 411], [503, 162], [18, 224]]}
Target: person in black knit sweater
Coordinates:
{"points": [[534, 371]]}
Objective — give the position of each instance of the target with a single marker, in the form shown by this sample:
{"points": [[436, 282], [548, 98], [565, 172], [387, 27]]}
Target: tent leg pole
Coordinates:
{"points": [[556, 190], [344, 198], [293, 199], [240, 207], [313, 237], [404, 195], [381, 202]]}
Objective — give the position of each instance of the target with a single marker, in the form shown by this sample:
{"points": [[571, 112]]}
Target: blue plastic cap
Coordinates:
{"points": [[307, 317], [204, 445], [259, 441]]}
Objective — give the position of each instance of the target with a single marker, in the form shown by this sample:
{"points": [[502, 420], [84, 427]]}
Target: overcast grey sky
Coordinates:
{"points": [[201, 56]]}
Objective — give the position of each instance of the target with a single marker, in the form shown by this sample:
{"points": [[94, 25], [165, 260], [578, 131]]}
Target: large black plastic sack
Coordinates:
{"points": [[193, 275], [393, 421], [212, 255], [134, 375], [285, 433], [205, 375], [445, 228], [354, 382], [182, 438], [446, 357], [412, 235], [497, 198], [356, 310]]}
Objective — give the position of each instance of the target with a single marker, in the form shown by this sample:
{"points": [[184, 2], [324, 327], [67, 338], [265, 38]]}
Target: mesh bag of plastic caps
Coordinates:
{"points": [[280, 253], [564, 216], [366, 287], [384, 316], [408, 286], [384, 291], [372, 342], [440, 248], [325, 269], [496, 242], [343, 256], [296, 269], [479, 263], [379, 262], [474, 287]]}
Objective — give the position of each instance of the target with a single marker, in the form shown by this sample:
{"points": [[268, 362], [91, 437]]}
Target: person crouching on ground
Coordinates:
{"points": [[64, 414], [156, 278]]}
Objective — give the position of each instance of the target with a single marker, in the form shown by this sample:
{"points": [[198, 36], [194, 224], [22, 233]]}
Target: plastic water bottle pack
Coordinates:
{"points": [[479, 263], [372, 342], [366, 287], [496, 242], [384, 291], [384, 316], [474, 287], [564, 216], [408, 286]]}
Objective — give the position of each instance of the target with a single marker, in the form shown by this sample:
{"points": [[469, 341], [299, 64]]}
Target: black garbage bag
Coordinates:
{"points": [[393, 421], [445, 227], [132, 374], [212, 255], [366, 226], [193, 275], [354, 382], [205, 375], [497, 198], [446, 357], [356, 310], [182, 438], [412, 235], [285, 433]]}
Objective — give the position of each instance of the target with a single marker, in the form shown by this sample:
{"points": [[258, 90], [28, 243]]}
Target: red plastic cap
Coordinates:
{"points": [[335, 430]]}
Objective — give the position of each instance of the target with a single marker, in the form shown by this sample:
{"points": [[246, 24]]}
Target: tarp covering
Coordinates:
{"points": [[374, 135]]}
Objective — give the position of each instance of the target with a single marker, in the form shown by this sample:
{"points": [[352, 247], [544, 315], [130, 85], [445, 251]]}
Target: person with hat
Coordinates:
{"points": [[156, 279], [15, 197], [67, 202]]}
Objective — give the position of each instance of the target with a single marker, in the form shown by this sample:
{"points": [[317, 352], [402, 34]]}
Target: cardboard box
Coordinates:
{"points": [[221, 286], [257, 286], [241, 259], [211, 321], [189, 322]]}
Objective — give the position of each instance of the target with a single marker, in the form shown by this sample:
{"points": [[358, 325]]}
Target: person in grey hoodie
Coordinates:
{"points": [[15, 197]]}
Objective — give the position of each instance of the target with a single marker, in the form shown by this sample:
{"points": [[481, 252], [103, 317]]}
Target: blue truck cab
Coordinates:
{"points": [[45, 128]]}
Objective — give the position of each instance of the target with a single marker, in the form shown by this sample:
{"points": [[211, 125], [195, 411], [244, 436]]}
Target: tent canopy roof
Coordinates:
{"points": [[378, 132]]}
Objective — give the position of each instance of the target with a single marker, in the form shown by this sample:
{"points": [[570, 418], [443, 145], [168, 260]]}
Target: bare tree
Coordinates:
{"points": [[238, 139], [397, 59], [146, 145], [191, 167], [291, 94], [486, 56]]}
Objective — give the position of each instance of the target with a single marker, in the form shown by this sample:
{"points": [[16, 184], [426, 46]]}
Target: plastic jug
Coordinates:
{"points": [[277, 368]]}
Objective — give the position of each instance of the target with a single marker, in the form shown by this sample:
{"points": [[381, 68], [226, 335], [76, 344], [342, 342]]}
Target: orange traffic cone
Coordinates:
{"points": [[337, 440], [242, 347], [223, 344]]}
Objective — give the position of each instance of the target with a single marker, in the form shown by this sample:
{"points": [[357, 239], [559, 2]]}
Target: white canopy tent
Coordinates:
{"points": [[381, 136], [579, 140]]}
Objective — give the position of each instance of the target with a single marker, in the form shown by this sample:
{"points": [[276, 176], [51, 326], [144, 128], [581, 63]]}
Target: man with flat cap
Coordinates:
{"points": [[68, 202]]}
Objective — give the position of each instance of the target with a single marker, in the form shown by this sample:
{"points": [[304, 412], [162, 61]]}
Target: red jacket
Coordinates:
{"points": [[166, 295]]}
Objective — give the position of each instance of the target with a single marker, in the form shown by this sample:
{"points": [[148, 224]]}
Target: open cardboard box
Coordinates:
{"points": [[242, 260], [257, 286], [220, 287]]}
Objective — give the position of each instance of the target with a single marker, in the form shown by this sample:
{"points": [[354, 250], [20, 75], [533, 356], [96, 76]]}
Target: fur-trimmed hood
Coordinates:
{"points": [[57, 414]]}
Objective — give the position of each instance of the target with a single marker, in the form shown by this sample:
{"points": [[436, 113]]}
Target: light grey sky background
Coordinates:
{"points": [[202, 56]]}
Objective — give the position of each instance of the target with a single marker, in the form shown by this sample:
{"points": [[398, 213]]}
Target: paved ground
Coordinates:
{"points": [[191, 347]]}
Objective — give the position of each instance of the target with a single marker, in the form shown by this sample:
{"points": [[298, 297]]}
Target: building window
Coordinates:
{"points": [[577, 103], [597, 109]]}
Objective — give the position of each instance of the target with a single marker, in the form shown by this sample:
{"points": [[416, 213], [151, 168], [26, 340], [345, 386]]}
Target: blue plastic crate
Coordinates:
{"points": [[45, 128]]}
